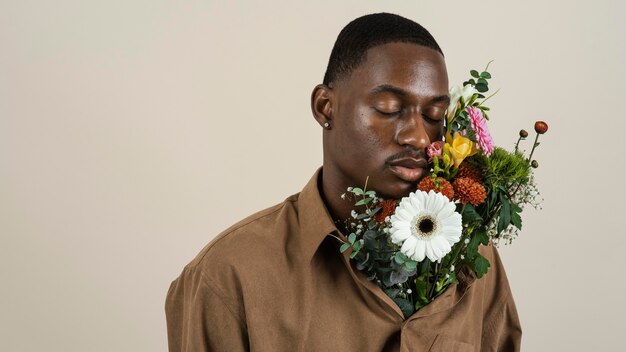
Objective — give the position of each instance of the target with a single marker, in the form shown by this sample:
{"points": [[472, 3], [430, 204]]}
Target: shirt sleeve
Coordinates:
{"points": [[199, 319], [502, 331]]}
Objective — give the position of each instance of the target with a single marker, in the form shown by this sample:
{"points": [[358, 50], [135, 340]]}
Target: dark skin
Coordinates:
{"points": [[381, 118]]}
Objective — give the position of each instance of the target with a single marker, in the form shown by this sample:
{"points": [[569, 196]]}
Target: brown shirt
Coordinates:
{"points": [[276, 281]]}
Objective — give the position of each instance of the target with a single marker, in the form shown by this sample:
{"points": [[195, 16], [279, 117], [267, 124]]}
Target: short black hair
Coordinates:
{"points": [[368, 31]]}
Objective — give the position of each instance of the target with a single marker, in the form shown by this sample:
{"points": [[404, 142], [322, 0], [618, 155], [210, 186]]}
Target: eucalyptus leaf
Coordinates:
{"points": [[405, 306], [410, 265], [344, 247], [481, 87], [392, 292], [474, 73], [485, 74]]}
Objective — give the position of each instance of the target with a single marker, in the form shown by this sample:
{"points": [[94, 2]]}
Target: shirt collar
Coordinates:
{"points": [[314, 219]]}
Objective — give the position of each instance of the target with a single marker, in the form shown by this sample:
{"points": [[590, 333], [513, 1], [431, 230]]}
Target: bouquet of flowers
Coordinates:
{"points": [[413, 247]]}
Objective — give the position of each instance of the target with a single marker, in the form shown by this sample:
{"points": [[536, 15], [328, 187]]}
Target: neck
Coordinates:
{"points": [[331, 193]]}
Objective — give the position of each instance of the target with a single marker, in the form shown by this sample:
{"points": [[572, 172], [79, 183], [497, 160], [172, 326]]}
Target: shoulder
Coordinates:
{"points": [[250, 240], [495, 281]]}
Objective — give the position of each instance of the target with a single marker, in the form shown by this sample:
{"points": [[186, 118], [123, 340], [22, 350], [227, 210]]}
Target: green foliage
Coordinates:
{"points": [[469, 214], [481, 266], [478, 237], [505, 168]]}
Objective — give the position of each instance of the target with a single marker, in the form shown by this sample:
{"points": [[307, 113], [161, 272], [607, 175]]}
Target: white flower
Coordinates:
{"points": [[456, 93], [409, 291], [354, 214], [426, 225], [452, 267]]}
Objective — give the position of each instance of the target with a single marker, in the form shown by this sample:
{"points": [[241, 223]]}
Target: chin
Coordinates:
{"points": [[397, 190]]}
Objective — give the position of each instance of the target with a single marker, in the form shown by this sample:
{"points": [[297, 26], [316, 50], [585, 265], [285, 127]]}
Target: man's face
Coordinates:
{"points": [[384, 115]]}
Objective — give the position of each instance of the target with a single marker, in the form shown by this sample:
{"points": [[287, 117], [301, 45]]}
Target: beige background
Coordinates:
{"points": [[132, 132]]}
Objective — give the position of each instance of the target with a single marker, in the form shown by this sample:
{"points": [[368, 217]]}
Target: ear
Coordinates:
{"points": [[321, 104]]}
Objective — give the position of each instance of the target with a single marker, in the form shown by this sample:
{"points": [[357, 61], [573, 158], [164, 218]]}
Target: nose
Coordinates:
{"points": [[411, 132]]}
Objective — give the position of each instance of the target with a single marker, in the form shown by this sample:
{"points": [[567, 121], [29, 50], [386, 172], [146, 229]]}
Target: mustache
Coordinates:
{"points": [[409, 153]]}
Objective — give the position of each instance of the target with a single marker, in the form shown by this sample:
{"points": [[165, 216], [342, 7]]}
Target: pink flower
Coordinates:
{"points": [[479, 125], [434, 149]]}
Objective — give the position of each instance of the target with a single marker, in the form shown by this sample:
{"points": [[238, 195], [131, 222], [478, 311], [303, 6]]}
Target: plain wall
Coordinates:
{"points": [[133, 132]]}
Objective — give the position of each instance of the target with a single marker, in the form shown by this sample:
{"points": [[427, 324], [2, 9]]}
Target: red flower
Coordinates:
{"points": [[388, 207], [541, 127]]}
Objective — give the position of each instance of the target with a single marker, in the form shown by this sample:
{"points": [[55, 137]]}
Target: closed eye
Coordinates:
{"points": [[390, 114], [432, 120]]}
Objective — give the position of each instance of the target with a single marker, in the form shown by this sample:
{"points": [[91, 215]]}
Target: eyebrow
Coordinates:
{"points": [[387, 88]]}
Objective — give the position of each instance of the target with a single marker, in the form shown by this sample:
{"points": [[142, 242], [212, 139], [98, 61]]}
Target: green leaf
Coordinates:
{"points": [[485, 74], [424, 266], [474, 73], [356, 246], [516, 219], [400, 258], [483, 81], [505, 214], [410, 265], [421, 288], [392, 292], [370, 193], [478, 237], [352, 238], [357, 191], [344, 247], [481, 87], [470, 214], [362, 216], [405, 306], [481, 266]]}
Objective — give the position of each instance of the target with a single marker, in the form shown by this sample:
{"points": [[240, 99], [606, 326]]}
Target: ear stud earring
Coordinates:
{"points": [[326, 124]]}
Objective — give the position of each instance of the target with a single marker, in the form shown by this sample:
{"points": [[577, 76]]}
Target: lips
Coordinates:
{"points": [[409, 169]]}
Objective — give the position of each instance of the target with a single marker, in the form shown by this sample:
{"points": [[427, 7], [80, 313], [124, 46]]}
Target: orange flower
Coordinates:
{"points": [[469, 191], [439, 185], [388, 207], [467, 170]]}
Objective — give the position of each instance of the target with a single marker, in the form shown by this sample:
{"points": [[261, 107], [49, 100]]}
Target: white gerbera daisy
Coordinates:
{"points": [[426, 225]]}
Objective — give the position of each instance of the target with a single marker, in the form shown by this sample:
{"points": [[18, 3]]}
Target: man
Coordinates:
{"points": [[276, 281]]}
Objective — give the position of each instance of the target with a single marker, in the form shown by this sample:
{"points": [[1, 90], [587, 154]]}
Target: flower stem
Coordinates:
{"points": [[517, 144], [432, 289], [487, 98], [534, 146]]}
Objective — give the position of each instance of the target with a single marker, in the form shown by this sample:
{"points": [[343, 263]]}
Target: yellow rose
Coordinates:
{"points": [[459, 147]]}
